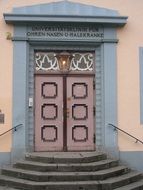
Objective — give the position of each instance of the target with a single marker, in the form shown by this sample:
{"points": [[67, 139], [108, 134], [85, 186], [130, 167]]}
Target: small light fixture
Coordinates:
{"points": [[64, 60]]}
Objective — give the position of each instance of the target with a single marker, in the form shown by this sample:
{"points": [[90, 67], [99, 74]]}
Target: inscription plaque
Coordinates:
{"points": [[65, 32]]}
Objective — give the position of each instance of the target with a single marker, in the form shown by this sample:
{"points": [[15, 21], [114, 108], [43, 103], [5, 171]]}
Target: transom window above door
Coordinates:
{"points": [[64, 61]]}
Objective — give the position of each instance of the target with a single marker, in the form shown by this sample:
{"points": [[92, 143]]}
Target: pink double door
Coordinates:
{"points": [[64, 113]]}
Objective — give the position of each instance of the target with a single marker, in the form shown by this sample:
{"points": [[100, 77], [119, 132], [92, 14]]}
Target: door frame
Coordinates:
{"points": [[106, 109], [105, 81]]}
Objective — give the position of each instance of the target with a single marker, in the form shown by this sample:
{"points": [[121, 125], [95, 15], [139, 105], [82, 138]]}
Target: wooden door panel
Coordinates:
{"points": [[80, 126], [48, 113]]}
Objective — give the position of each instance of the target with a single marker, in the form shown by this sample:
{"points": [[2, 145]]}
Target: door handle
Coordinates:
{"points": [[69, 99]]}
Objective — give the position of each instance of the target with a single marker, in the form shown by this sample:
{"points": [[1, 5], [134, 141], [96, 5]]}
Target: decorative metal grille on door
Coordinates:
{"points": [[48, 61]]}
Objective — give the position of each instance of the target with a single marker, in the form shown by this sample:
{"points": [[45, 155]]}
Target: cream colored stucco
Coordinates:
{"points": [[130, 39]]}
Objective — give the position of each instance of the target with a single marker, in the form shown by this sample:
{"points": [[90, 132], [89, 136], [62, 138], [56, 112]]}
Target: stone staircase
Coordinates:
{"points": [[69, 171]]}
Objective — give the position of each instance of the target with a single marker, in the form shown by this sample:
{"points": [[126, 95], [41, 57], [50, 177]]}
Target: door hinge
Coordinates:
{"points": [[94, 111], [94, 138], [93, 84]]}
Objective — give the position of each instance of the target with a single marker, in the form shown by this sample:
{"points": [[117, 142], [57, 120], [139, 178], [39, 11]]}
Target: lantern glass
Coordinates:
{"points": [[64, 60]]}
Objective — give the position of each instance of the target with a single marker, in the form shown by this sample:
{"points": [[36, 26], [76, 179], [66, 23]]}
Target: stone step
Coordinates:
{"points": [[138, 185], [7, 188], [72, 185], [32, 185], [72, 171], [120, 181], [43, 167], [69, 157], [64, 176]]}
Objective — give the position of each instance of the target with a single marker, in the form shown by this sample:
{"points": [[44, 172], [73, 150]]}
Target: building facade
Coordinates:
{"points": [[70, 72]]}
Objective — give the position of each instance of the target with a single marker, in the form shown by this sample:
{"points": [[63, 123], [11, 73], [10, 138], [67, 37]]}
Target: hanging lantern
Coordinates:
{"points": [[64, 61]]}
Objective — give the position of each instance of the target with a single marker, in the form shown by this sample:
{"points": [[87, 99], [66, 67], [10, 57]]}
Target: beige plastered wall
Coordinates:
{"points": [[130, 39]]}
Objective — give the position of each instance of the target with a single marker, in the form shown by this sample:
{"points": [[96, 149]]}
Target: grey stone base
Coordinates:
{"points": [[112, 152], [5, 158], [17, 154], [134, 159]]}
